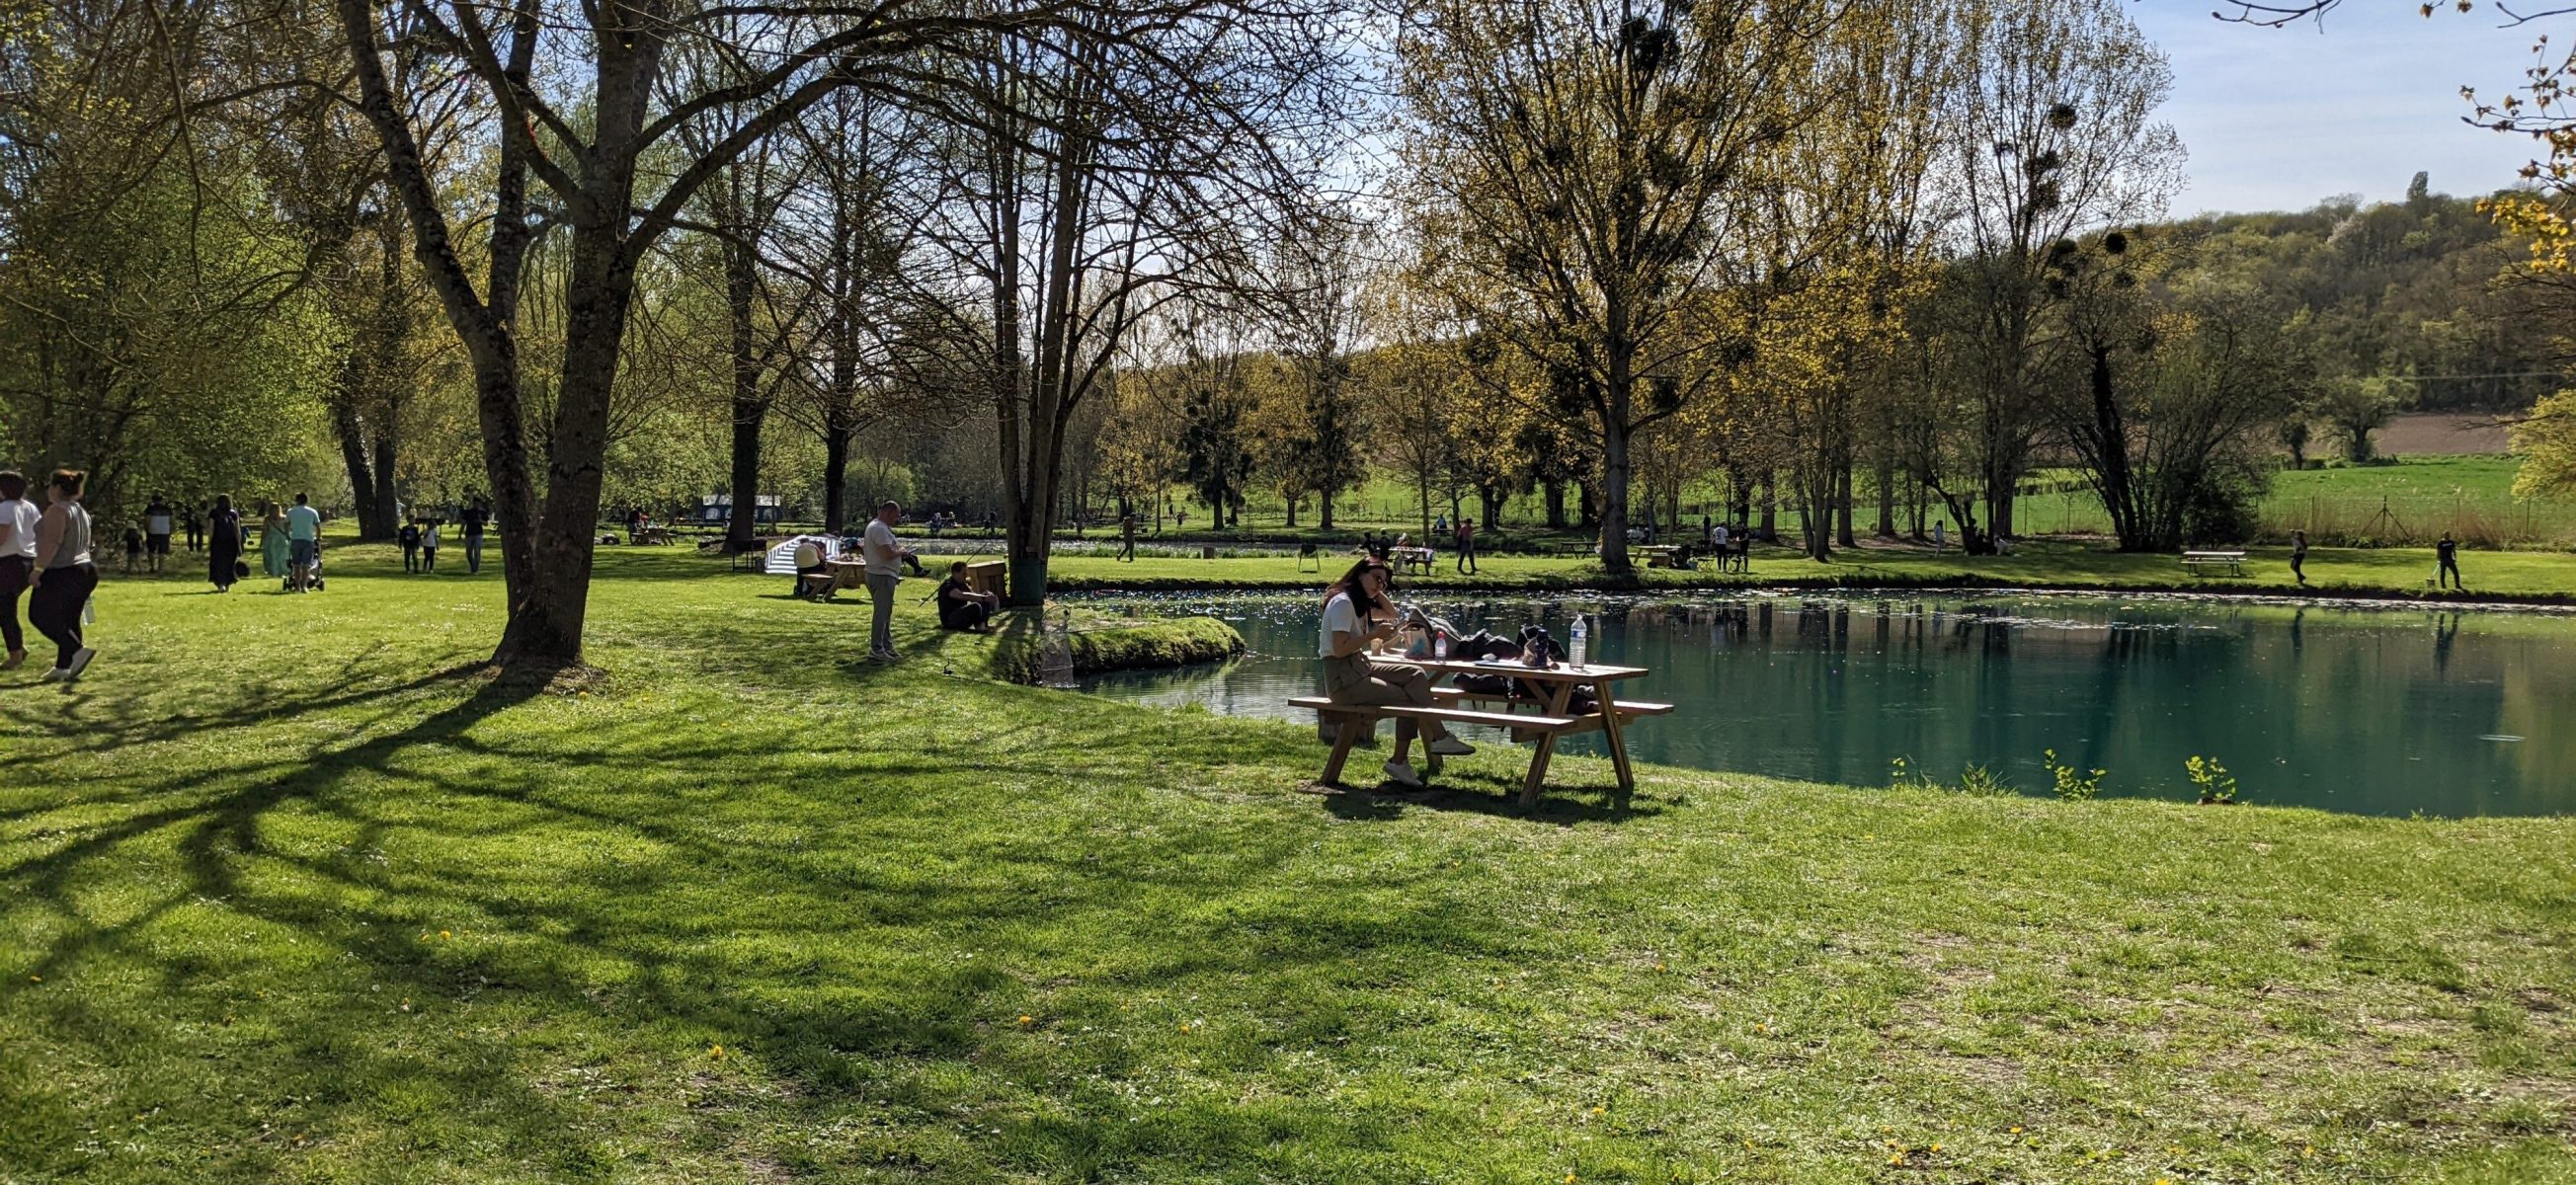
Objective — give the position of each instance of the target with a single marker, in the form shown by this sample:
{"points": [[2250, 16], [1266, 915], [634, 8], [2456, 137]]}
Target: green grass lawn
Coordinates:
{"points": [[288, 899]]}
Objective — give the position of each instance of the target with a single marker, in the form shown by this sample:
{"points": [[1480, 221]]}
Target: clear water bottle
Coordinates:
{"points": [[1440, 644], [1581, 635]]}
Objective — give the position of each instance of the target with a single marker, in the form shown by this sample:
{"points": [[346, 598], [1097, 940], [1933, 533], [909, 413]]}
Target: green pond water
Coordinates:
{"points": [[2386, 711]]}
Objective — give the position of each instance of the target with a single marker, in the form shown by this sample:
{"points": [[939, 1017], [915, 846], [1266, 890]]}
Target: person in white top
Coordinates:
{"points": [[885, 559], [18, 518], [1358, 615], [65, 575]]}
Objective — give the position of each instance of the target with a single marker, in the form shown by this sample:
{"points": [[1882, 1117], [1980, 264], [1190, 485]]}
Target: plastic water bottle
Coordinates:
{"points": [[1440, 645], [1580, 635]]}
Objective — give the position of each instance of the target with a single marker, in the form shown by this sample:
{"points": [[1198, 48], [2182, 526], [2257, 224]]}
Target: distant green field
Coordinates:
{"points": [[2469, 496]]}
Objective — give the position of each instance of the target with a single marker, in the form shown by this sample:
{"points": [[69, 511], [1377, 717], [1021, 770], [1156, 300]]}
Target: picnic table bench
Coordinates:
{"points": [[2203, 563], [1549, 719], [1410, 559]]}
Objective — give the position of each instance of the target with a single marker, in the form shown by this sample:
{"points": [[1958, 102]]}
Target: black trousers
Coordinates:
{"points": [[55, 609], [13, 581]]}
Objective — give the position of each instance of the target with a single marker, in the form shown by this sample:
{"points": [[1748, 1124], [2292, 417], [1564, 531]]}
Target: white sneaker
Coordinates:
{"points": [[57, 675], [1450, 746], [80, 662], [1402, 774]]}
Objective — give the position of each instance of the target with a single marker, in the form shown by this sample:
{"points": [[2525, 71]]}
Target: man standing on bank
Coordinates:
{"points": [[2299, 556], [885, 559], [2446, 555]]}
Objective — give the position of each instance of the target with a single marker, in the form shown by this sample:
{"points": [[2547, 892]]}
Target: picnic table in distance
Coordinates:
{"points": [[1551, 720]]}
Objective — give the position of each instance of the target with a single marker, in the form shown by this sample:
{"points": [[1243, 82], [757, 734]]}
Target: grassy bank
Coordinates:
{"points": [[1094, 644], [2507, 576], [283, 902]]}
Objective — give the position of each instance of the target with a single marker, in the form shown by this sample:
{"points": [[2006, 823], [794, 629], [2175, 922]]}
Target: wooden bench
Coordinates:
{"points": [[1575, 547], [817, 586], [1550, 721], [1348, 716], [2204, 563]]}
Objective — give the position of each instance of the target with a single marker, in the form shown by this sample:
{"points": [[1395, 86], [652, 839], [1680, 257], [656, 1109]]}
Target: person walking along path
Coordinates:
{"points": [[476, 516], [1466, 540], [65, 575], [273, 552], [223, 544], [18, 518], [303, 543], [884, 559], [2299, 556]]}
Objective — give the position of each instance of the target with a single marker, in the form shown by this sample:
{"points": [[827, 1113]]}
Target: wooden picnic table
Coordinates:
{"points": [[1551, 720], [1418, 559]]}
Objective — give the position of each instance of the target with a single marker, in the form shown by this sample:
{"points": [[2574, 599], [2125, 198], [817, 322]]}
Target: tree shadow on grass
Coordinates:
{"points": [[1495, 794], [635, 903]]}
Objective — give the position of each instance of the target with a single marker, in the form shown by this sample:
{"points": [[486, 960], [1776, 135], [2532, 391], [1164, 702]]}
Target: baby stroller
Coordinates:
{"points": [[286, 583]]}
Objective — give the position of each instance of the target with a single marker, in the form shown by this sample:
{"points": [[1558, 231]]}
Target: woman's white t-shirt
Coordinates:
{"points": [[1341, 616], [21, 516]]}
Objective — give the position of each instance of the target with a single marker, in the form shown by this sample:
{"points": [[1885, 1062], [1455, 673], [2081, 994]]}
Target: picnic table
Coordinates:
{"points": [[1549, 720], [1410, 559], [653, 535], [2202, 563], [838, 574], [1659, 555]]}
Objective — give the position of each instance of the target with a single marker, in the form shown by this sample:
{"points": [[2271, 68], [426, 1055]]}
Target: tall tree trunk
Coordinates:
{"points": [[1555, 499], [1843, 505], [1770, 506], [1324, 508], [836, 471], [750, 408], [353, 456], [387, 497], [547, 624], [1886, 497]]}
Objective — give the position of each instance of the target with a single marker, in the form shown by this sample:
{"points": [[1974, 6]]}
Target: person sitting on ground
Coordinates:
{"points": [[962, 608], [1358, 615]]}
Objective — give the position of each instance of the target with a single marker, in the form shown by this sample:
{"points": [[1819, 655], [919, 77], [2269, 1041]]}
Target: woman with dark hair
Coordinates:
{"points": [[1357, 615], [17, 560], [64, 575], [223, 544]]}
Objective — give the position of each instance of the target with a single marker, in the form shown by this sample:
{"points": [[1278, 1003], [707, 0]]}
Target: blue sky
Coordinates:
{"points": [[2279, 119]]}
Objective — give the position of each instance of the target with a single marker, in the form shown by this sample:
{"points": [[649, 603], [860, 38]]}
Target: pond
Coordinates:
{"points": [[2385, 711]]}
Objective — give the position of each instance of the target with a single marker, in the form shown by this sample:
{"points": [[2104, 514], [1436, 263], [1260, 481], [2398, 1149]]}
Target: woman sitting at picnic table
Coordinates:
{"points": [[1357, 614]]}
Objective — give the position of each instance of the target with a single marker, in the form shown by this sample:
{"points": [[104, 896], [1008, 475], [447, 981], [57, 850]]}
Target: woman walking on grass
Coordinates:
{"points": [[223, 544], [272, 541], [17, 560], [64, 575]]}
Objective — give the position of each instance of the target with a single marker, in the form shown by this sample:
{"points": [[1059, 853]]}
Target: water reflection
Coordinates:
{"points": [[2381, 711]]}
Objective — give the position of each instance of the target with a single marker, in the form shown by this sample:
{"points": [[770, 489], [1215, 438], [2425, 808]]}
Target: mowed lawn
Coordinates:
{"points": [[283, 899]]}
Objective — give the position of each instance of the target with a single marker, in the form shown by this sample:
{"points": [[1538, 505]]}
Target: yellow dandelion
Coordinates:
{"points": [[1936, 1147], [2310, 1150], [2016, 1131], [445, 934], [1024, 1018], [1569, 1179], [1899, 1158], [35, 979], [715, 1051], [1598, 1110], [1659, 966]]}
